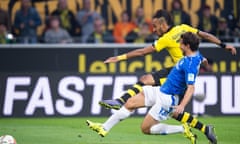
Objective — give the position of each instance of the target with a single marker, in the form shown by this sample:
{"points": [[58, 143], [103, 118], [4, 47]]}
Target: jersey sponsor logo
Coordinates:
{"points": [[190, 77]]}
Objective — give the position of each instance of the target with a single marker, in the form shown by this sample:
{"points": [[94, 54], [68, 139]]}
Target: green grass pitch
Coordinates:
{"points": [[75, 131]]}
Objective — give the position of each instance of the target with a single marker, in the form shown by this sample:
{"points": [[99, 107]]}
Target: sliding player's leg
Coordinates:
{"points": [[152, 126], [161, 111], [123, 113], [195, 123], [156, 79]]}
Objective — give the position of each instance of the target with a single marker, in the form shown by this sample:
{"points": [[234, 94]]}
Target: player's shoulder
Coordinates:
{"points": [[185, 26], [168, 35], [199, 56], [191, 61], [181, 63], [180, 26], [176, 30]]}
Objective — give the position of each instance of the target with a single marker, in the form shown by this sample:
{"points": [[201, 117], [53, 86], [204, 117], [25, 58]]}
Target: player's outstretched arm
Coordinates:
{"points": [[213, 39], [187, 97], [131, 54]]}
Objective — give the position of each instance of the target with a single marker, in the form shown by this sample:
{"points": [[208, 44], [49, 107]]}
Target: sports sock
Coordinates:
{"points": [[193, 122], [116, 117], [135, 89], [164, 129]]}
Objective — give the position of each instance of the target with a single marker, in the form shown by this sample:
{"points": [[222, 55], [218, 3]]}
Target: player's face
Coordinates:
{"points": [[157, 27]]}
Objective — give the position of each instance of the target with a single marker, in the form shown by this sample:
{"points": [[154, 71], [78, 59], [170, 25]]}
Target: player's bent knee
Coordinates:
{"points": [[144, 78], [147, 79], [135, 102], [145, 129], [131, 104]]}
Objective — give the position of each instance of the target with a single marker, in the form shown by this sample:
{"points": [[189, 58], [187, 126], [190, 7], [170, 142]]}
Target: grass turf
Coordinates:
{"points": [[75, 131]]}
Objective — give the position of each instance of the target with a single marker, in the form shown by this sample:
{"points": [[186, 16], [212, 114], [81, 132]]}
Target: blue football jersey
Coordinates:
{"points": [[184, 73]]}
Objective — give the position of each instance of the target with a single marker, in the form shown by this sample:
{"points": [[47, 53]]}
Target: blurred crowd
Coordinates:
{"points": [[63, 26]]}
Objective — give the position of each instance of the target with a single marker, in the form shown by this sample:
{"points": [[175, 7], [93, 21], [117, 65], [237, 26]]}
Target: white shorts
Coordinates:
{"points": [[161, 103]]}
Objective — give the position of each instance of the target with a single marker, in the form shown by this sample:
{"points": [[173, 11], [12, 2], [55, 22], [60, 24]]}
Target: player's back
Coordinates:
{"points": [[171, 41]]}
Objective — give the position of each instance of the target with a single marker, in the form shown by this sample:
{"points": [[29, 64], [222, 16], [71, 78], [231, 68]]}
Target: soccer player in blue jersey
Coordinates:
{"points": [[169, 37], [165, 100]]}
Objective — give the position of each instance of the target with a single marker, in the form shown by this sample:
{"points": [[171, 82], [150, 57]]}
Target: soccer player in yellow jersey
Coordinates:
{"points": [[169, 37]]}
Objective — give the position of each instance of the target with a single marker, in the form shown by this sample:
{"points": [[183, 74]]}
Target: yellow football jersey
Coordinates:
{"points": [[171, 41]]}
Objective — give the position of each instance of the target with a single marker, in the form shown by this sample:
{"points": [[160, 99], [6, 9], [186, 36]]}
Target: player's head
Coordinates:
{"points": [[162, 21], [189, 42]]}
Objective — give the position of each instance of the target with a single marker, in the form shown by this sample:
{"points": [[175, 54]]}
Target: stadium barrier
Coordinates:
{"points": [[69, 80]]}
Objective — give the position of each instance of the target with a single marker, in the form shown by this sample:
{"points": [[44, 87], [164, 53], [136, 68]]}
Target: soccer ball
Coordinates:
{"points": [[7, 139]]}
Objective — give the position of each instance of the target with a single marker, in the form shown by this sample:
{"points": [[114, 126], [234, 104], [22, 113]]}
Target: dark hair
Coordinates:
{"points": [[177, 1], [164, 14], [191, 39], [206, 7]]}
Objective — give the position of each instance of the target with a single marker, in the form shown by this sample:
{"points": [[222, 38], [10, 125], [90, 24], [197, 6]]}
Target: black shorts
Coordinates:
{"points": [[160, 75]]}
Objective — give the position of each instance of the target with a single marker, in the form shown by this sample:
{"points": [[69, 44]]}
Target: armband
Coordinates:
{"points": [[122, 57], [222, 45]]}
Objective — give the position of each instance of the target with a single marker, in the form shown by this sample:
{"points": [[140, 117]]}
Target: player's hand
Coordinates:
{"points": [[179, 109], [205, 62], [111, 60], [231, 49]]}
